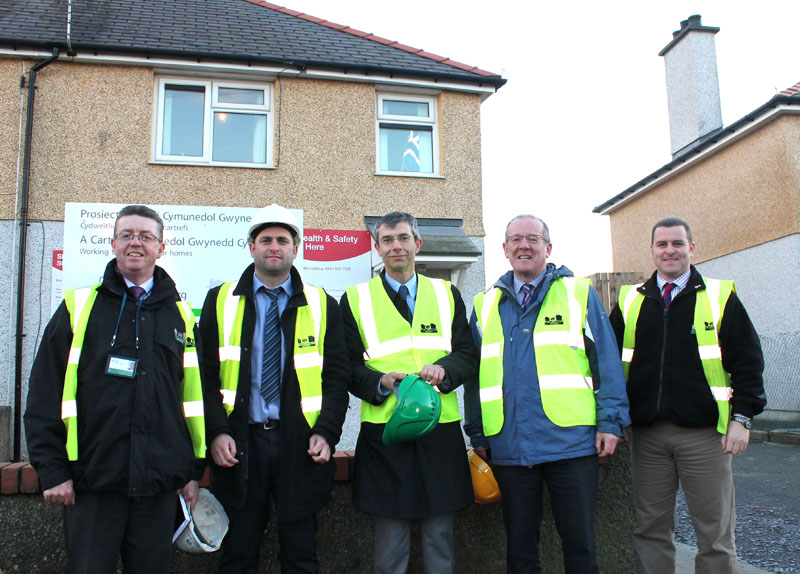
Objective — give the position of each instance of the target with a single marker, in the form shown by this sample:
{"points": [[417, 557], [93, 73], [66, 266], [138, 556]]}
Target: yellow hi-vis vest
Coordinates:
{"points": [[708, 309], [309, 337], [391, 344], [79, 304], [565, 378]]}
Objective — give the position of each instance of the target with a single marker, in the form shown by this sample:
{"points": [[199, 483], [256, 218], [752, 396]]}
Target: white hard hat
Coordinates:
{"points": [[202, 530], [277, 215]]}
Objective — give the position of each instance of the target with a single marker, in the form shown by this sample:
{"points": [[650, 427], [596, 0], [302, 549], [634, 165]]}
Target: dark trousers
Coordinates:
{"points": [[101, 528], [242, 545], [572, 485]]}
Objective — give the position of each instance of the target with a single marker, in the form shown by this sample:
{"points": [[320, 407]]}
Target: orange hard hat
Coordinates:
{"points": [[484, 484]]}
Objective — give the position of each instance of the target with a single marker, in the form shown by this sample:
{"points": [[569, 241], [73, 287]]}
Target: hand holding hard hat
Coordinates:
{"points": [[416, 414]]}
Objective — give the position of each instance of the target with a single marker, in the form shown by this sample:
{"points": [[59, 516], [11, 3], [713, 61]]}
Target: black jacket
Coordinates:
{"points": [[304, 486], [417, 479], [666, 380], [132, 436]]}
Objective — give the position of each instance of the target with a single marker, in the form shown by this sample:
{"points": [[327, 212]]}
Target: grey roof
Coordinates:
{"points": [[245, 31], [787, 97]]}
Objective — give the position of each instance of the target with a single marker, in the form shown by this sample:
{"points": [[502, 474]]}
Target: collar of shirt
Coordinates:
{"points": [[680, 283], [287, 286], [147, 286], [411, 285], [518, 283]]}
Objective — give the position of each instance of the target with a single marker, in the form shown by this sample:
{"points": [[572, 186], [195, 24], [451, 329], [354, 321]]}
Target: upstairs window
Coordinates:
{"points": [[407, 135], [214, 123]]}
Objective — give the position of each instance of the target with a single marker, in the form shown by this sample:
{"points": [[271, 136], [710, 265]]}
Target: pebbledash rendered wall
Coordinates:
{"points": [[92, 141]]}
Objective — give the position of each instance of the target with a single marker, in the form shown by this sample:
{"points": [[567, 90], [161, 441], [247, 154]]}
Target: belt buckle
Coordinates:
{"points": [[272, 424]]}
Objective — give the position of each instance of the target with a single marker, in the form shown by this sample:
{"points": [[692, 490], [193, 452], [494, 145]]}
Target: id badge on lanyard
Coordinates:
{"points": [[121, 366]]}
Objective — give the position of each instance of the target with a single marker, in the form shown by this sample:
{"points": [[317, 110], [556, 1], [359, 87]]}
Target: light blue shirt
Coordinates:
{"points": [[259, 412], [518, 283], [411, 285]]}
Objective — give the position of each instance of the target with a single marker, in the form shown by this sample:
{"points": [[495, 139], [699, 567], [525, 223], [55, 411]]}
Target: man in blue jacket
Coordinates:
{"points": [[550, 399]]}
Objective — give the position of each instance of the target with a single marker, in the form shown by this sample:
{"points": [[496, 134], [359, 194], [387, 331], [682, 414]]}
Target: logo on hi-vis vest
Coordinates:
{"points": [[709, 325], [557, 320], [428, 328], [181, 337], [310, 341]]}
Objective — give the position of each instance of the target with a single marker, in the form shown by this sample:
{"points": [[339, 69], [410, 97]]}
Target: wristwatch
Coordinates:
{"points": [[743, 420]]}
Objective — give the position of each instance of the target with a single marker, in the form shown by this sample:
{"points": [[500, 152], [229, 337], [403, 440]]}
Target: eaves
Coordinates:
{"points": [[779, 105]]}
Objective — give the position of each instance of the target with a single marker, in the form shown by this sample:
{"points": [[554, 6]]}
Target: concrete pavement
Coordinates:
{"points": [[684, 562]]}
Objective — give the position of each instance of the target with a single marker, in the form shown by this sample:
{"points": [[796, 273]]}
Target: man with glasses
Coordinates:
{"points": [[397, 324], [115, 417], [550, 397]]}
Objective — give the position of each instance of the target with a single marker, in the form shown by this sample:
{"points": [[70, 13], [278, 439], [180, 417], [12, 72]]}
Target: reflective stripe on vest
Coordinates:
{"points": [[392, 345], [79, 304], [308, 355], [565, 379], [708, 310]]}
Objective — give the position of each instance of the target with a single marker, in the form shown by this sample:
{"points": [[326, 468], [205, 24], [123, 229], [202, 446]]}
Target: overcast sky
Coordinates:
{"points": [[584, 113]]}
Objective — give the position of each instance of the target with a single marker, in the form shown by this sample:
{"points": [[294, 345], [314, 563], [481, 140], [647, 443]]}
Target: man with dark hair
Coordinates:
{"points": [[114, 419], [694, 367], [397, 324], [550, 397], [276, 374]]}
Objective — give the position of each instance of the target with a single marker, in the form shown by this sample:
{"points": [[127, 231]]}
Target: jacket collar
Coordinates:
{"points": [[163, 285], [245, 286], [506, 282], [695, 283]]}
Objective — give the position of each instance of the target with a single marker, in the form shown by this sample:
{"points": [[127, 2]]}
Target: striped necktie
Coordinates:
{"points": [[271, 362], [667, 294]]}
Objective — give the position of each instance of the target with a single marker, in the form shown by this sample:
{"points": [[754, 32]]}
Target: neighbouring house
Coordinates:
{"points": [[236, 103], [739, 188]]}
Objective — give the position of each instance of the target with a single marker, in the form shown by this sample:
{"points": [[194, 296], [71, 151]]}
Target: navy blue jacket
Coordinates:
{"points": [[528, 437]]}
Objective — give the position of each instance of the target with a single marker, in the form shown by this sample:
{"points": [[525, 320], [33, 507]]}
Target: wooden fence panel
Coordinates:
{"points": [[607, 285]]}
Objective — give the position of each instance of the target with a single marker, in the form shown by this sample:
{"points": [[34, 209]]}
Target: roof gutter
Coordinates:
{"points": [[249, 59], [23, 243]]}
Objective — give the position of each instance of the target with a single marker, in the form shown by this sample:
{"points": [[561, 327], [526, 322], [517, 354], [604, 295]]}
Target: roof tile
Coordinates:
{"points": [[237, 30]]}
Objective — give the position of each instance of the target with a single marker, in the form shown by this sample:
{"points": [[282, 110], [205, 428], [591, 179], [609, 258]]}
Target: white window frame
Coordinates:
{"points": [[212, 105], [429, 122]]}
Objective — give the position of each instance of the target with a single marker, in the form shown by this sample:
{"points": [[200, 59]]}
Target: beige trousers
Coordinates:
{"points": [[664, 455]]}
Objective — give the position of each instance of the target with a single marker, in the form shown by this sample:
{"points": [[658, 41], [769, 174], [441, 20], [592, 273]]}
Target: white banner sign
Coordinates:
{"points": [[206, 246]]}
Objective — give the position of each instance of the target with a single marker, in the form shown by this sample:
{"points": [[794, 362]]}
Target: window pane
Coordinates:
{"points": [[240, 96], [184, 108], [240, 137], [406, 149], [401, 108]]}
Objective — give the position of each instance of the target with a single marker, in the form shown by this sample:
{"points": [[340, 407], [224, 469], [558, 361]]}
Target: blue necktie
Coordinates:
{"points": [[271, 362], [527, 295], [401, 303]]}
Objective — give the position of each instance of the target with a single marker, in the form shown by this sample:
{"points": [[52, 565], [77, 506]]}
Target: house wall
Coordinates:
{"points": [[92, 143], [744, 195], [766, 278], [743, 203]]}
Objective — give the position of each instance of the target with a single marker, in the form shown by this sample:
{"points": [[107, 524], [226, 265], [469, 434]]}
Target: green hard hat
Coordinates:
{"points": [[416, 414]]}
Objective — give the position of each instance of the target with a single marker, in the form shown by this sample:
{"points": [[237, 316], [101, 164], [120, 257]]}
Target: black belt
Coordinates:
{"points": [[271, 424]]}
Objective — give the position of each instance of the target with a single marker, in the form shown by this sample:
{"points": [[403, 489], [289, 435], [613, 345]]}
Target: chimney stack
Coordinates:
{"points": [[690, 60]]}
